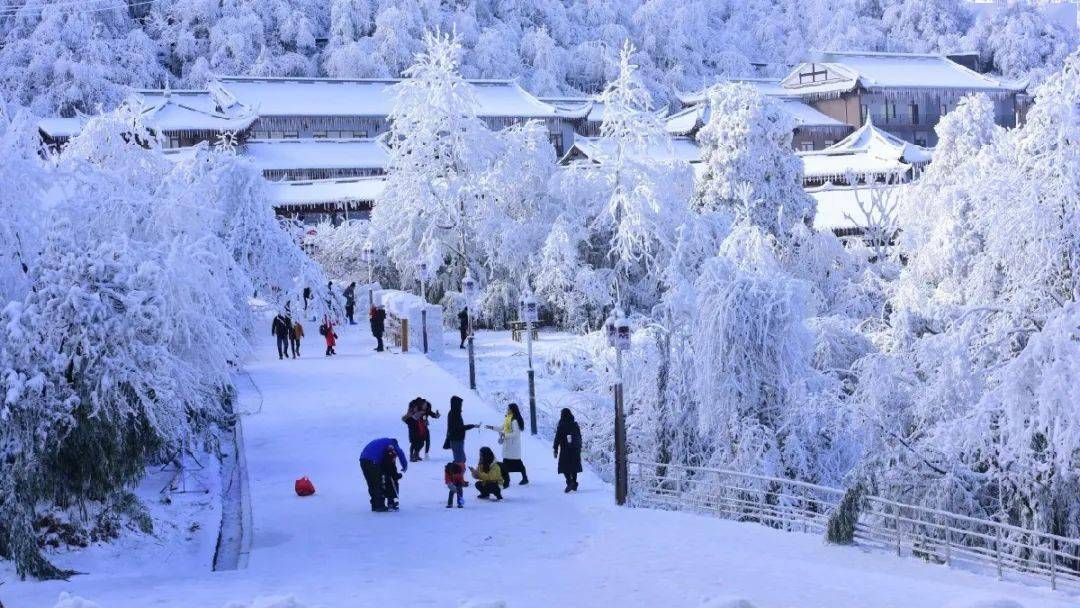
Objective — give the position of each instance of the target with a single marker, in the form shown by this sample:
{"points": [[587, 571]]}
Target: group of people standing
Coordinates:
{"points": [[380, 457]]}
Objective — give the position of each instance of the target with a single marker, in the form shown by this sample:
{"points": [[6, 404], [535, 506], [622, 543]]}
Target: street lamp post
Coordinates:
{"points": [[529, 314], [368, 256], [618, 336], [423, 274], [469, 290]]}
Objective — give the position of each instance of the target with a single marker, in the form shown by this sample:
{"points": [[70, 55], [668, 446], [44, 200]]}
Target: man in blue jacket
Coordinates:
{"points": [[380, 472]]}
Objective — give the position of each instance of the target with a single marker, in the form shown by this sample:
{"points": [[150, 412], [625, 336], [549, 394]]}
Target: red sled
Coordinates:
{"points": [[304, 487]]}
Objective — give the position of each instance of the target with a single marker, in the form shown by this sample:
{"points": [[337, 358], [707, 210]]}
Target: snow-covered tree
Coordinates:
{"points": [[60, 59], [439, 151], [750, 168], [1020, 42], [969, 403]]}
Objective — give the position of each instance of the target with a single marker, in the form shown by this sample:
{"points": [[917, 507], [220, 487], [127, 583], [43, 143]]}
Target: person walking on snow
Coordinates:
{"points": [[567, 448], [463, 325], [295, 336], [454, 477], [327, 330], [377, 461], [350, 302], [510, 438], [455, 430], [378, 324], [281, 328], [488, 475]]}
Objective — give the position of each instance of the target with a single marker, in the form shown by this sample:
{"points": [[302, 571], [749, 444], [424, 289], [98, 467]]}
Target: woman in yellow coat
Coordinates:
{"points": [[488, 475]]}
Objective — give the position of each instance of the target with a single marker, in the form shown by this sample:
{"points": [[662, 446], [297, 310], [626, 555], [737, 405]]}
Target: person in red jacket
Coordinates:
{"points": [[327, 330], [454, 477]]}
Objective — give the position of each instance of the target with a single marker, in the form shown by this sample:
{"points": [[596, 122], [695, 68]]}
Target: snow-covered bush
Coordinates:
{"points": [[118, 351]]}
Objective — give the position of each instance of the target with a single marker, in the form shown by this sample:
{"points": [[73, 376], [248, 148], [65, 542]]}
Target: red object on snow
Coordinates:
{"points": [[304, 487]]}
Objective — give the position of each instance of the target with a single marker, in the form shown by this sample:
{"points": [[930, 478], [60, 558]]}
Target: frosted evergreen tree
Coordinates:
{"points": [[440, 151], [750, 168]]}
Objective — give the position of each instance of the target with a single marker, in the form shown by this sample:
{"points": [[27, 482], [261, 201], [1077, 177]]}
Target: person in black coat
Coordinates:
{"points": [[455, 430], [350, 302], [378, 325], [567, 448], [463, 325], [281, 329]]}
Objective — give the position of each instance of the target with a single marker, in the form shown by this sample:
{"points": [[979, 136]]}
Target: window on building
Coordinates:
{"points": [[920, 138], [291, 135], [174, 141], [806, 146], [914, 113], [813, 73], [276, 134], [944, 109], [359, 134], [864, 112], [829, 142], [319, 135]]}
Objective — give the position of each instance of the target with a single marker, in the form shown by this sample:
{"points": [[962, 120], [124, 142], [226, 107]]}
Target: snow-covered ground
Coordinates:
{"points": [[539, 547]]}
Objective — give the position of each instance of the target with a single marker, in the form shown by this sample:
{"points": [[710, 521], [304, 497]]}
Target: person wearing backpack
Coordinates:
{"points": [[378, 461], [567, 447], [281, 329], [327, 331]]}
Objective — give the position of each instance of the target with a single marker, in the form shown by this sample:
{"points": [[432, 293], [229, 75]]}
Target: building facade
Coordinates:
{"points": [[904, 94]]}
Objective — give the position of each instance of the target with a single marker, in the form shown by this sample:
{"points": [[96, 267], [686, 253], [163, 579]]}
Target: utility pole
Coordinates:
{"points": [[529, 314], [469, 290], [618, 335]]}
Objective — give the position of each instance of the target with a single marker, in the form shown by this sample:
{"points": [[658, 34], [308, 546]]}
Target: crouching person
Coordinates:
{"points": [[488, 475], [378, 461]]}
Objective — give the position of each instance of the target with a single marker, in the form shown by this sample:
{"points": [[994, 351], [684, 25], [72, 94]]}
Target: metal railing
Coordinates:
{"points": [[931, 534]]}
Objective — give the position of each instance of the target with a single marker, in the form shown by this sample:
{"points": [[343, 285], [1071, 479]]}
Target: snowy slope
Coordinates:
{"points": [[538, 548]]}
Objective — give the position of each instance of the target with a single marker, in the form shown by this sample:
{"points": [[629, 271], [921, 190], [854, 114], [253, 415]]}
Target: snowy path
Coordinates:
{"points": [[537, 548]]}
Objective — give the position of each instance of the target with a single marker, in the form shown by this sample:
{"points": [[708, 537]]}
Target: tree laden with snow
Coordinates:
{"points": [[439, 151], [750, 168]]}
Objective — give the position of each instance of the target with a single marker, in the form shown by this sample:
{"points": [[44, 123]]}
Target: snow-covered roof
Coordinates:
{"points": [[838, 207], [570, 107], [837, 72], [597, 149], [867, 151], [165, 111], [313, 192], [62, 127], [770, 87], [364, 97], [279, 154], [693, 118]]}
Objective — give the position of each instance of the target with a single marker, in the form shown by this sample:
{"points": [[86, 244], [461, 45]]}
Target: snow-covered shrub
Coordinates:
{"points": [[119, 353]]}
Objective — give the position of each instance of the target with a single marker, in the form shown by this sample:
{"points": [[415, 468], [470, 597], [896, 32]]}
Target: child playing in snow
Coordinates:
{"points": [[327, 330], [454, 477]]}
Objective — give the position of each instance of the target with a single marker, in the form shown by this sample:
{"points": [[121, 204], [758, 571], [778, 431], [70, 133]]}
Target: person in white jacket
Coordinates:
{"points": [[510, 438]]}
